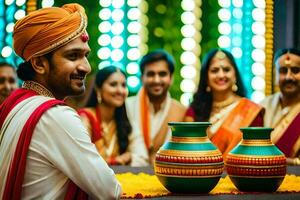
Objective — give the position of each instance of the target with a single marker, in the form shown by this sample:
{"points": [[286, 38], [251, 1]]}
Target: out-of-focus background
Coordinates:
{"points": [[121, 31]]}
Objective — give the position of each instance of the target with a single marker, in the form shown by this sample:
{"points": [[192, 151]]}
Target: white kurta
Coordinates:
{"points": [[137, 148], [60, 150], [156, 118]]}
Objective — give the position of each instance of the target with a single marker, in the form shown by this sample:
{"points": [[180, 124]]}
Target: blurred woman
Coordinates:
{"points": [[106, 119], [220, 100]]}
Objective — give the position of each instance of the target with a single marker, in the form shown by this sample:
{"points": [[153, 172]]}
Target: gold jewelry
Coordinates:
{"points": [[226, 102], [38, 88], [221, 55], [218, 108], [234, 87], [99, 98], [208, 89]]}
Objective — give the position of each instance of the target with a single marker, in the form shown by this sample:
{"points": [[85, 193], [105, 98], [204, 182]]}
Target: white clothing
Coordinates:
{"points": [[137, 148], [156, 119], [60, 150]]}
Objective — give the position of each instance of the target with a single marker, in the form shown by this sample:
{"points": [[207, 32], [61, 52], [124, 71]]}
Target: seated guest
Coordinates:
{"points": [[220, 100], [106, 119], [8, 80], [152, 108], [283, 107]]}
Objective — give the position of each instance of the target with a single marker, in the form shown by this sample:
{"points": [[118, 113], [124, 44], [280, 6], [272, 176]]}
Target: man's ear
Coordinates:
{"points": [[40, 64]]}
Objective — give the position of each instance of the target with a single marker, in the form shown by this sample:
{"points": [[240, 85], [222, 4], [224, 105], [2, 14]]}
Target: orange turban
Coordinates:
{"points": [[47, 29]]}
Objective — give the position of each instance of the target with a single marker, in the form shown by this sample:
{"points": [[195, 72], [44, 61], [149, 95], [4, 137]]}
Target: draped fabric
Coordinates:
{"points": [[105, 138], [225, 133], [245, 113], [289, 137], [148, 123], [96, 129], [285, 121], [47, 29], [145, 118], [16, 171]]}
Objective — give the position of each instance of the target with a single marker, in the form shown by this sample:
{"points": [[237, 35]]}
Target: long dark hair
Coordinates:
{"points": [[202, 100], [123, 126]]}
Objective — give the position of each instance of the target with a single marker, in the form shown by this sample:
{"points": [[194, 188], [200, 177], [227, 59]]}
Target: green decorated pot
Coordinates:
{"points": [[256, 164], [189, 162]]}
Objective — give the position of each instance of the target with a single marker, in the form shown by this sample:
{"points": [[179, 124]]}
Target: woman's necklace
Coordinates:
{"points": [[226, 102], [219, 108], [106, 129]]}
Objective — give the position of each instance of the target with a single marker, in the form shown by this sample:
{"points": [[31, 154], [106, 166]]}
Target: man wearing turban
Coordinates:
{"points": [[45, 150]]}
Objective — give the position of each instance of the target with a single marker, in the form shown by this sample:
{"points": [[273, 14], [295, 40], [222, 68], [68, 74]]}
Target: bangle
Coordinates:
{"points": [[296, 161], [112, 161]]}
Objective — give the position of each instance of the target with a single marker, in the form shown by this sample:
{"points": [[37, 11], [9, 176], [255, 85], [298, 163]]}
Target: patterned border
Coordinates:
{"points": [[255, 160], [190, 171], [189, 153], [257, 142], [31, 6], [269, 46], [189, 139], [196, 159], [262, 171]]}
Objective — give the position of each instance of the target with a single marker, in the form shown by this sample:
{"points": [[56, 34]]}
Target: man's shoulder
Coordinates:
{"points": [[177, 105], [131, 100], [62, 112], [271, 98]]}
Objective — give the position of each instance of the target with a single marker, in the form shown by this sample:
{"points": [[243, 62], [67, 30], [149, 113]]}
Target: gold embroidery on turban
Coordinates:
{"points": [[47, 29]]}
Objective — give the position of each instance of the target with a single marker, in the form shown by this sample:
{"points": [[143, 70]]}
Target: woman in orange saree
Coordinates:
{"points": [[220, 99]]}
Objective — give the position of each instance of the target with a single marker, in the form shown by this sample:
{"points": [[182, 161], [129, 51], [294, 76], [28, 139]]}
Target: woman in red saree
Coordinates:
{"points": [[106, 119]]}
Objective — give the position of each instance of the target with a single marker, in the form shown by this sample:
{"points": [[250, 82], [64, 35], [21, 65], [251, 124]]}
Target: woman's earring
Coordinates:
{"points": [[99, 99], [234, 87], [208, 89]]}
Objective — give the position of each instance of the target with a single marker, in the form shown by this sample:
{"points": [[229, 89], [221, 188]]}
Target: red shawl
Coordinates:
{"points": [[290, 136], [13, 186]]}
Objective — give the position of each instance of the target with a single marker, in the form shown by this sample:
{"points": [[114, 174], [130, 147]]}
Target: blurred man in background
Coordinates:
{"points": [[283, 107], [8, 80]]}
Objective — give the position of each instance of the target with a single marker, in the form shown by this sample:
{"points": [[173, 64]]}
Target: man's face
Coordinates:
{"points": [[289, 75], [68, 68], [8, 81], [157, 79]]}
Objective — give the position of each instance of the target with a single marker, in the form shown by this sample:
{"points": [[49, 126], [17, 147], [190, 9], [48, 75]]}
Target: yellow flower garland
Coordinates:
{"points": [[144, 186], [269, 46]]}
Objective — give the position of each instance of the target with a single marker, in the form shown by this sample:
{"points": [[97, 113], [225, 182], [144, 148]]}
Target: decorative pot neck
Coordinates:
{"points": [[256, 133], [189, 129]]}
